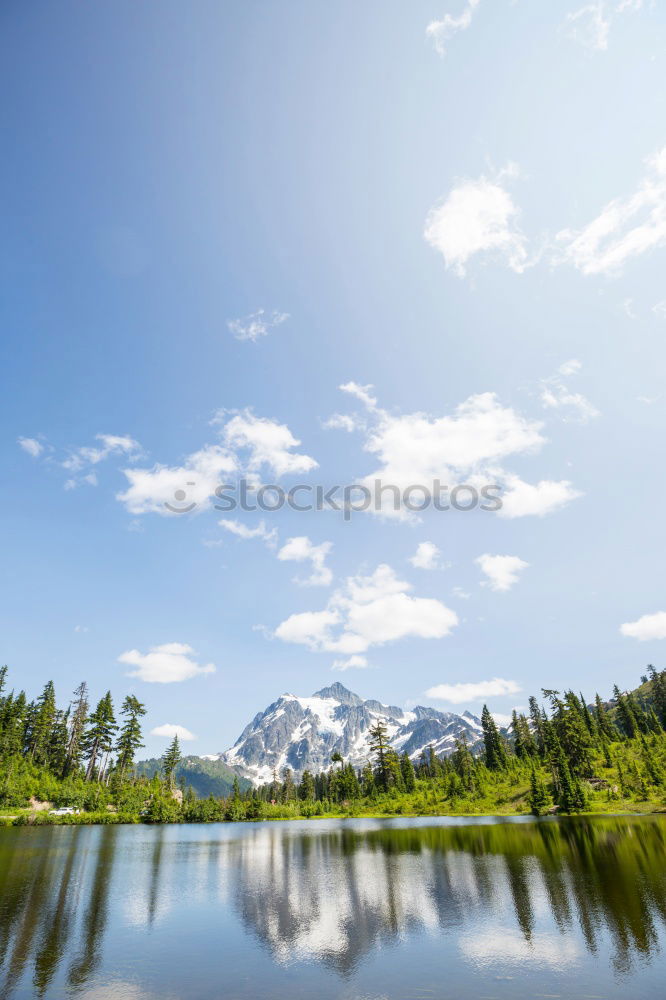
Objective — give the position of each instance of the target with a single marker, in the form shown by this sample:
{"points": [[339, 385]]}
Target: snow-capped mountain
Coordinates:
{"points": [[302, 733]]}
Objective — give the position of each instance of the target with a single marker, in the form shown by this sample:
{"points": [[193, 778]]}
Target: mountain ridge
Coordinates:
{"points": [[301, 733]]}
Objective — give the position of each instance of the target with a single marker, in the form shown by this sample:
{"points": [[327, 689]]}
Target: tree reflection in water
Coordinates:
{"points": [[535, 894]]}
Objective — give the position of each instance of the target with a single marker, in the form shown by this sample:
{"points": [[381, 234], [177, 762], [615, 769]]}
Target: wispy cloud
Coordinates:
{"points": [[257, 324], [625, 228], [442, 30], [32, 446]]}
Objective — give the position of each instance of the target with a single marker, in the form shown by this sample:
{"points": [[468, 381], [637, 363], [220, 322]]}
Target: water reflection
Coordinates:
{"points": [[78, 903]]}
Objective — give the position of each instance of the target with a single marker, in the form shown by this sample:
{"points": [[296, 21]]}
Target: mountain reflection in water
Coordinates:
{"points": [[132, 911]]}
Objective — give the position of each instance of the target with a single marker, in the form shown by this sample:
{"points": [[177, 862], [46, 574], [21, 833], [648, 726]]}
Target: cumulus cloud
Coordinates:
{"points": [[441, 31], [459, 693], [521, 499], [555, 394], [301, 549], [166, 664], [168, 730], [32, 446], [266, 444], [249, 446], [647, 627], [468, 446], [502, 571], [351, 663], [427, 556], [368, 611], [477, 217], [256, 325], [624, 229]]}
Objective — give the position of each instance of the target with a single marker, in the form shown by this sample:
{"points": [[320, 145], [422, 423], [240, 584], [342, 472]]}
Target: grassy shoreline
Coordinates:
{"points": [[33, 818]]}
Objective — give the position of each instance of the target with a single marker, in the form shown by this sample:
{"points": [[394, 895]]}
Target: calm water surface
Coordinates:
{"points": [[360, 910]]}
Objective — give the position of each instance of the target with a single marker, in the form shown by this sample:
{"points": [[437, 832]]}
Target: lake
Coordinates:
{"points": [[355, 909]]}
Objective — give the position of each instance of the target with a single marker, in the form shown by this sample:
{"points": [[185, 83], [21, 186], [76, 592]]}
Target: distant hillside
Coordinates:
{"points": [[205, 777]]}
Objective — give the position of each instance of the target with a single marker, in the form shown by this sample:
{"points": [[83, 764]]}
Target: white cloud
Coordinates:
{"points": [[169, 730], [151, 489], [523, 499], [625, 228], [464, 595], [351, 663], [248, 446], [362, 392], [571, 367], [80, 461], [240, 530], [301, 549], [478, 216], [427, 556], [340, 422], [555, 394], [368, 611], [463, 447], [589, 26], [32, 446], [647, 627], [502, 571], [417, 448], [659, 309], [110, 444], [256, 325], [268, 444], [165, 664], [441, 31], [457, 694], [81, 628]]}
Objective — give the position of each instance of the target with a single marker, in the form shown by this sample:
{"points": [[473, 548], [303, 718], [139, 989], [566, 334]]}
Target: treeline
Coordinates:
{"points": [[559, 756], [81, 757], [562, 755]]}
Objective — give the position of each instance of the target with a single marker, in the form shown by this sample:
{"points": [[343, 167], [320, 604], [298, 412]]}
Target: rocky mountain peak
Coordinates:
{"points": [[302, 733]]}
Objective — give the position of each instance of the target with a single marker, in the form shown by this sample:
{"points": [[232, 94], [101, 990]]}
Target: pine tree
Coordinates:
{"points": [[379, 746], [129, 738], [407, 771], [539, 800], [171, 760], [306, 789], [536, 716], [77, 725], [518, 746], [98, 738], [42, 724], [658, 682], [495, 752], [625, 713], [606, 727]]}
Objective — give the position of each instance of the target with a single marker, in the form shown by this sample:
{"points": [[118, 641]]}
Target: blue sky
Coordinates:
{"points": [[214, 218]]}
